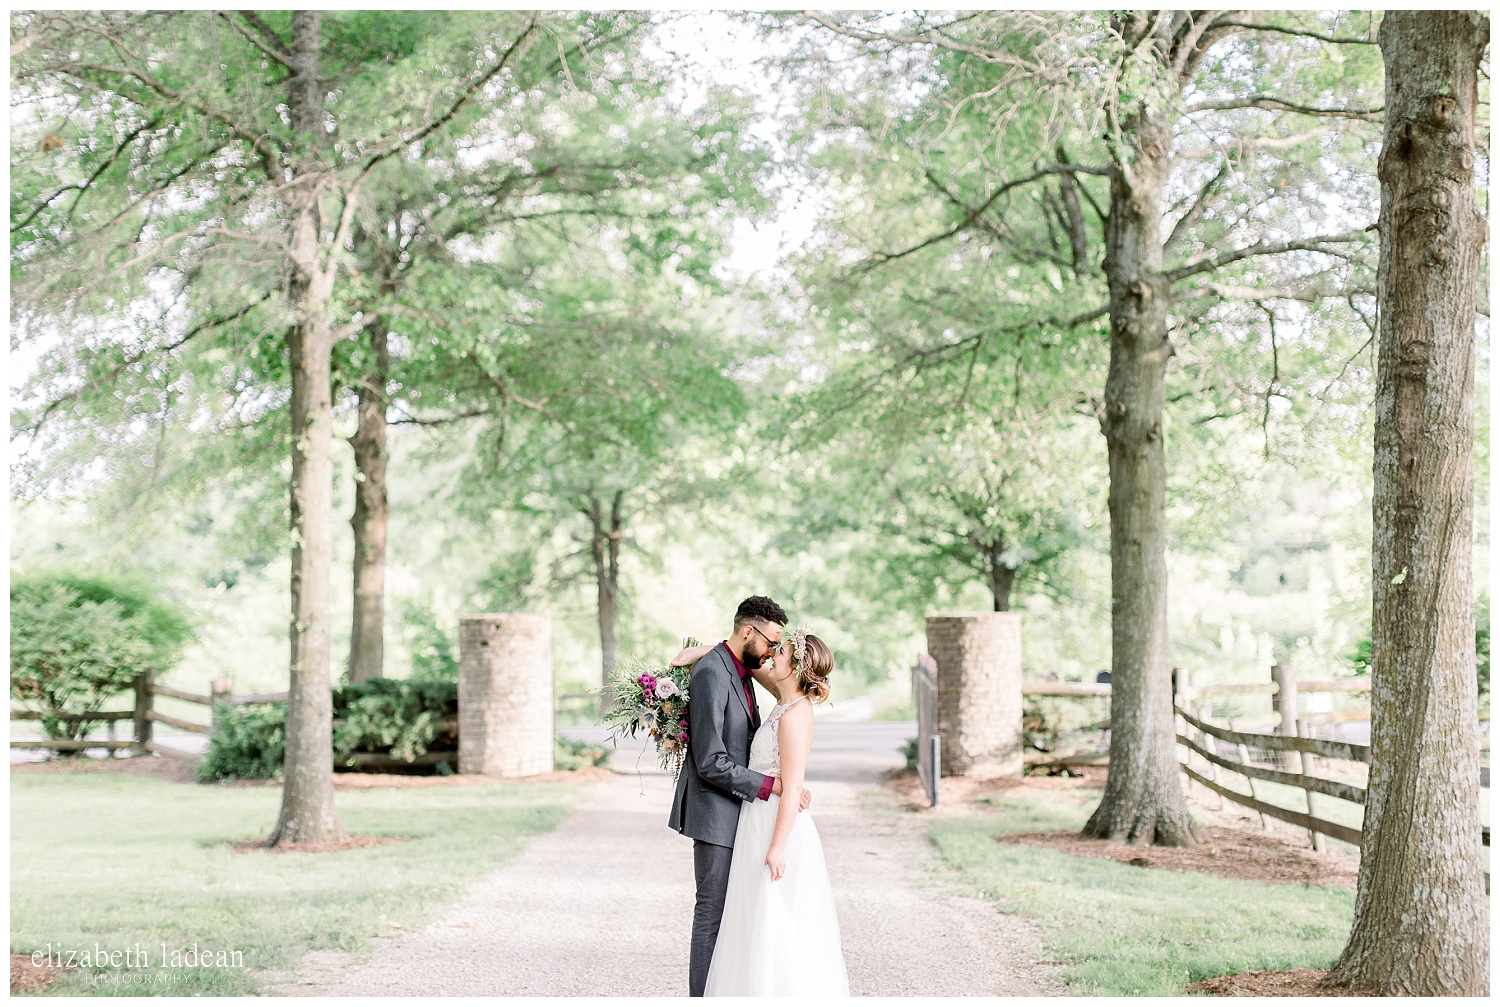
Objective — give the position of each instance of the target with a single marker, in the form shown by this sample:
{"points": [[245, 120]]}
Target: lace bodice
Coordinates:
{"points": [[765, 747]]}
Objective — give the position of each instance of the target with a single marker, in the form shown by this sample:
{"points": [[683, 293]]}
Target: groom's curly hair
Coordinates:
{"points": [[758, 608]]}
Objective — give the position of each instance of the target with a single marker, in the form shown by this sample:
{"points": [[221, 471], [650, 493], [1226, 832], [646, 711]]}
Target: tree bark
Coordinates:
{"points": [[1143, 800], [371, 517], [1421, 925], [606, 553], [308, 814], [1002, 578], [1078, 238]]}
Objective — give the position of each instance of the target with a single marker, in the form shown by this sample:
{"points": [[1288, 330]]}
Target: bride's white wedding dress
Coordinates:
{"points": [[777, 938]]}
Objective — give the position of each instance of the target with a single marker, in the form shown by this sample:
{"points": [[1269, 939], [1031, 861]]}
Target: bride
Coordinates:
{"points": [[780, 934]]}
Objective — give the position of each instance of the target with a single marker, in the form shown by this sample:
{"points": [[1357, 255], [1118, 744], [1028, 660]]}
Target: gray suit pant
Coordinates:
{"points": [[711, 871]]}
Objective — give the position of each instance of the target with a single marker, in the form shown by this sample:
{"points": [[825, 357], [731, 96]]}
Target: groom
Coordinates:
{"points": [[722, 719]]}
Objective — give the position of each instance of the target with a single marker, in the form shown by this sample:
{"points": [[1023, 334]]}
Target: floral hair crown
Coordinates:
{"points": [[799, 648]]}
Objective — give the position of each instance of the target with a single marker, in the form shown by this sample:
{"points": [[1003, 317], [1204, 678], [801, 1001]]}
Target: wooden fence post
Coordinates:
{"points": [[1180, 686], [143, 685], [1309, 768], [1285, 701], [1206, 714], [1244, 754], [222, 692]]}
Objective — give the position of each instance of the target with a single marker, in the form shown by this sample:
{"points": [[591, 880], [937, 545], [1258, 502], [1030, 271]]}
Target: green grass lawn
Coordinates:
{"points": [[1121, 930], [116, 859]]}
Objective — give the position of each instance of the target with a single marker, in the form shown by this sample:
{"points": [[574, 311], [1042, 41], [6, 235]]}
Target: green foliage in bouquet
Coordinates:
{"points": [[649, 697], [76, 641], [249, 743]]}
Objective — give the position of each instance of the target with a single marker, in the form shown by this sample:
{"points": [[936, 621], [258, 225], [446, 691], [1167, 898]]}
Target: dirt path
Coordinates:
{"points": [[601, 907]]}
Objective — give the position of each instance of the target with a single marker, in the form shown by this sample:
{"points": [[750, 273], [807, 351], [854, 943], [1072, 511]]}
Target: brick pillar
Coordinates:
{"points": [[505, 694], [978, 656]]}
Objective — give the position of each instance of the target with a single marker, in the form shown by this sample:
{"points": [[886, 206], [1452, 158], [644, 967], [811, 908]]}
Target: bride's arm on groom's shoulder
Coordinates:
{"points": [[689, 656], [794, 733]]}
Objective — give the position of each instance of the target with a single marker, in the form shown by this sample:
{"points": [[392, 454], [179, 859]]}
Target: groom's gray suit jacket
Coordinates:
{"points": [[715, 778]]}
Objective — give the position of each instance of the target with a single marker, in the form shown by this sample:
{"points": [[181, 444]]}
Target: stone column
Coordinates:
{"points": [[978, 657], [505, 709]]}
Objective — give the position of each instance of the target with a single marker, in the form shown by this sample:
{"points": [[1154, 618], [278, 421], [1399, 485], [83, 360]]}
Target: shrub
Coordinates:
{"points": [[401, 715], [77, 641], [249, 744], [910, 751], [570, 754]]}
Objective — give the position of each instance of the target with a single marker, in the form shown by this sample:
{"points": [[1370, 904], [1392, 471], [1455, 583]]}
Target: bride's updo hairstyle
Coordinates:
{"points": [[814, 668]]}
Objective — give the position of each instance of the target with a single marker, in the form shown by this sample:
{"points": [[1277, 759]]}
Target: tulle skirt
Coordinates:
{"points": [[777, 938]]}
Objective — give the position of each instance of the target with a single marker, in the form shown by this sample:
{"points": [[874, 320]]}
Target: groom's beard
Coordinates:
{"points": [[755, 656]]}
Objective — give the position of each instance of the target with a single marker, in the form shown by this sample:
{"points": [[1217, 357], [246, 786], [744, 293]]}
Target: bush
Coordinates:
{"points": [[77, 641], [569, 754], [250, 744], [401, 715], [910, 751]]}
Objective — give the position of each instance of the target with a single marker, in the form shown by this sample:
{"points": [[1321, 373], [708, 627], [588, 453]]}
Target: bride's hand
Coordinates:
{"points": [[689, 656], [776, 861]]}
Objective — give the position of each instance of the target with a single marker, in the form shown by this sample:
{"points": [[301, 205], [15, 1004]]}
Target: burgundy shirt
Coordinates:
{"points": [[765, 788]]}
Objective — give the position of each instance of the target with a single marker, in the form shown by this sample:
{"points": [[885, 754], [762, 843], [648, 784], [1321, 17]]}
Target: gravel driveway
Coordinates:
{"points": [[601, 906]]}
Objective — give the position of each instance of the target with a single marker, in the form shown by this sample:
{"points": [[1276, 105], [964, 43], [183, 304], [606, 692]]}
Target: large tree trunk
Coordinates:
{"points": [[308, 814], [606, 551], [1421, 924], [1143, 800], [371, 516]]}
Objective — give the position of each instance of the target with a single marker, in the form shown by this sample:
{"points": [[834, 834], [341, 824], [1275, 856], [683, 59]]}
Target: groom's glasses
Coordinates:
{"points": [[775, 644]]}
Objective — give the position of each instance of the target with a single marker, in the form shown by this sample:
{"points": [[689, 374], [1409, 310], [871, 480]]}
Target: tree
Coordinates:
{"points": [[212, 189], [608, 160], [1421, 925], [643, 395], [1128, 91]]}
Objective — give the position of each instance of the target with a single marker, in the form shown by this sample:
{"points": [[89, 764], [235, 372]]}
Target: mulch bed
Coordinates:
{"points": [[348, 843], [173, 768], [1229, 853], [1285, 983], [28, 978]]}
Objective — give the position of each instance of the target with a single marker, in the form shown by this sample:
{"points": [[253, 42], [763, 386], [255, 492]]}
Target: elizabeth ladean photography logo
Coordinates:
{"points": [[137, 957]]}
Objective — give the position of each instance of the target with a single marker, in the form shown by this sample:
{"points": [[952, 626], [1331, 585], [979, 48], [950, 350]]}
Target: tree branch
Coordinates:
{"points": [[80, 186], [1273, 104], [1300, 32], [136, 358], [880, 258], [1195, 212], [256, 140], [1213, 260], [1238, 293], [463, 99], [273, 47]]}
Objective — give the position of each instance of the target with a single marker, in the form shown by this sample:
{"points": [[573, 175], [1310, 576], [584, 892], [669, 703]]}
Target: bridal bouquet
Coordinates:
{"points": [[652, 698]]}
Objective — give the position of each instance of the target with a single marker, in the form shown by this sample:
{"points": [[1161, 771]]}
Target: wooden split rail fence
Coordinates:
{"points": [[144, 716], [1292, 746]]}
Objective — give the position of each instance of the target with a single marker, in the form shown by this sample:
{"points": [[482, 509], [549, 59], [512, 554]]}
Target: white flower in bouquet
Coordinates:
{"points": [[666, 688]]}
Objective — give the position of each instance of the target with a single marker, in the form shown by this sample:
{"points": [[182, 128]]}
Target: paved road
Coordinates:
{"points": [[601, 906]]}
